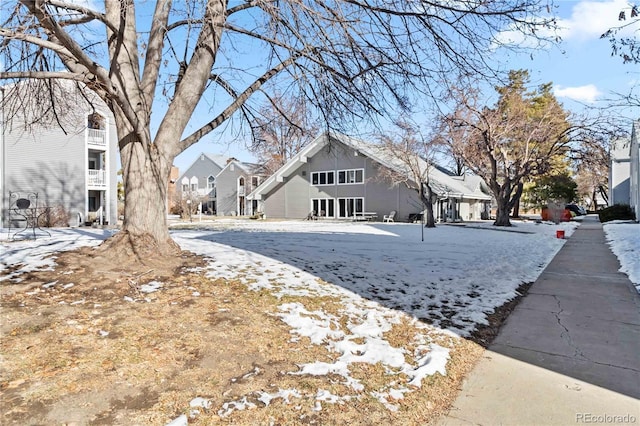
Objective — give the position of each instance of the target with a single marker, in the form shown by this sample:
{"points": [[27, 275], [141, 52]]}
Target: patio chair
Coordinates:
{"points": [[389, 217]]}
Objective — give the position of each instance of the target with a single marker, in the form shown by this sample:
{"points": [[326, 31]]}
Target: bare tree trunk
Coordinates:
{"points": [[144, 231], [502, 194], [516, 204], [430, 221], [502, 215], [603, 193]]}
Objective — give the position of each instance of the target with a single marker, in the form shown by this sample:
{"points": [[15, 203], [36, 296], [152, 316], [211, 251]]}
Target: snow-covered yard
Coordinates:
{"points": [[382, 273], [452, 279]]}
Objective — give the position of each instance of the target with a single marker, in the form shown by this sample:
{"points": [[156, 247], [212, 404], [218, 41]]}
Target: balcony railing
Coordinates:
{"points": [[96, 137], [97, 178]]}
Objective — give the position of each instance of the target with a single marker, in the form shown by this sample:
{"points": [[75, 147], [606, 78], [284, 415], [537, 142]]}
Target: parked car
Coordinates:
{"points": [[576, 209]]}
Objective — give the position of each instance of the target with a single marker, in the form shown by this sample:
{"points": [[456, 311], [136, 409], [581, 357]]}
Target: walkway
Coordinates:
{"points": [[569, 353]]}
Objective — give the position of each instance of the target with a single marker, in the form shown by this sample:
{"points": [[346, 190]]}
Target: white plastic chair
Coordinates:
{"points": [[389, 217]]}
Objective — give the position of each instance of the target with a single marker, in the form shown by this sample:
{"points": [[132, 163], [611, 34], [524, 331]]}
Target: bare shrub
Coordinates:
{"points": [[56, 216]]}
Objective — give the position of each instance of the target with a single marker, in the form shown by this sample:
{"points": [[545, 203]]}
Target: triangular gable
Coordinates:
{"points": [[441, 180], [441, 183]]}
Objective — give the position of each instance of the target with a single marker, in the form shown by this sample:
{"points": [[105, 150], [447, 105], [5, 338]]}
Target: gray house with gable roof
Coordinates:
{"points": [[234, 182], [340, 177], [198, 182]]}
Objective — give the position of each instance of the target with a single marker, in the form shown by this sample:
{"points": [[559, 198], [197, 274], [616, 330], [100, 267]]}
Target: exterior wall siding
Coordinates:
{"points": [[202, 168], [274, 205], [49, 163], [635, 169], [227, 195], [621, 182], [112, 171], [54, 162], [620, 173], [298, 196]]}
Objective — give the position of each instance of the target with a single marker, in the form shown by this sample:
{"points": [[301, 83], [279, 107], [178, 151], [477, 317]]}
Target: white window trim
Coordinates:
{"points": [[328, 200], [337, 207], [326, 173], [346, 171]]}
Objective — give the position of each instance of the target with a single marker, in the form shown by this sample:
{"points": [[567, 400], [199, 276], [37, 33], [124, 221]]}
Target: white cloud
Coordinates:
{"points": [[590, 19], [587, 94]]}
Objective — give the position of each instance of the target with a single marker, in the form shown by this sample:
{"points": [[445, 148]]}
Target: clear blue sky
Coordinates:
{"points": [[581, 68]]}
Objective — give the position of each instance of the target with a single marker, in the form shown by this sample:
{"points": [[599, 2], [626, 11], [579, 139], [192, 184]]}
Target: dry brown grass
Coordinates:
{"points": [[81, 354]]}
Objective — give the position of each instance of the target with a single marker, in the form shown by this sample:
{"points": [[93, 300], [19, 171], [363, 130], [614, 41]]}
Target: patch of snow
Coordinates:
{"points": [[180, 421], [327, 396], [432, 362], [200, 402], [231, 406], [151, 287], [624, 240], [39, 254]]}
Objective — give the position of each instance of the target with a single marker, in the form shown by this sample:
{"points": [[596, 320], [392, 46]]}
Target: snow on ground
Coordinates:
{"points": [[382, 272], [33, 255], [624, 240], [453, 279]]}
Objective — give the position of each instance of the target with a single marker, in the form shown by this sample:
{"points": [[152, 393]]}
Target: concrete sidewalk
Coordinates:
{"points": [[570, 351]]}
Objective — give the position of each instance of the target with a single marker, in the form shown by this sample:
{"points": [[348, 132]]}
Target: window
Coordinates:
{"points": [[323, 178], [211, 181], [323, 207], [254, 181], [185, 184], [194, 187], [350, 176], [349, 207]]}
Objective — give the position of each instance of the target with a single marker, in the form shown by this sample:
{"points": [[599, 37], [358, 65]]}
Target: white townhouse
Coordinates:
{"points": [[70, 163]]}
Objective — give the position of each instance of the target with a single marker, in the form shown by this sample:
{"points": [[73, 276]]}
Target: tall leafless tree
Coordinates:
{"points": [[283, 127], [591, 162], [412, 152], [169, 59]]}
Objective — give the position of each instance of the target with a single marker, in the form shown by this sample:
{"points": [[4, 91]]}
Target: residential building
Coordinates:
{"points": [[234, 182], [198, 182], [69, 162], [620, 172], [340, 177]]}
